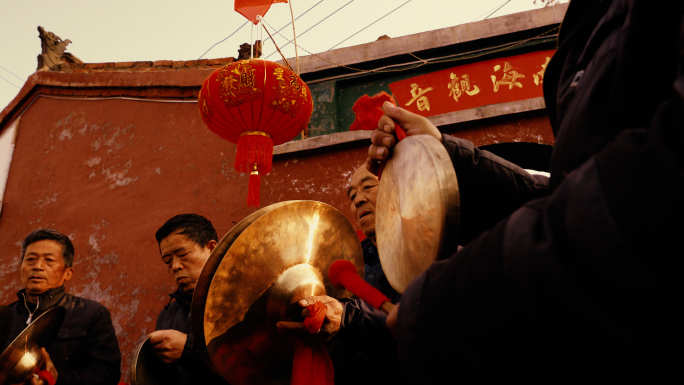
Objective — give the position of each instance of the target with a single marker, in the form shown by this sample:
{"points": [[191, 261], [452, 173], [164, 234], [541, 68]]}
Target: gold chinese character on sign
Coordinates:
{"points": [[419, 97], [509, 78], [539, 76], [458, 86]]}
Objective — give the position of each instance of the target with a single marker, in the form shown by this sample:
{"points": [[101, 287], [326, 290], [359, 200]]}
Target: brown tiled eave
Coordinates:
{"points": [[163, 79]]}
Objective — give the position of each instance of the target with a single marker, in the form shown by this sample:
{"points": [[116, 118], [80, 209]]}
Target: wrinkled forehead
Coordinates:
{"points": [[361, 176], [45, 247]]}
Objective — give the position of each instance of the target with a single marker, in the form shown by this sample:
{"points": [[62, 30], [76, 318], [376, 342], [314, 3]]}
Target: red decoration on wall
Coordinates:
{"points": [[256, 104], [474, 85], [253, 8]]}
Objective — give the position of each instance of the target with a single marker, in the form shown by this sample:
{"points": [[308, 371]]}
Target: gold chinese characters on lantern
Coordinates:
{"points": [[256, 104]]}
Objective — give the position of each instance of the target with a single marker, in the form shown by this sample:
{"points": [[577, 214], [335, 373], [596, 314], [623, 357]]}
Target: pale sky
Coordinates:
{"points": [[149, 30]]}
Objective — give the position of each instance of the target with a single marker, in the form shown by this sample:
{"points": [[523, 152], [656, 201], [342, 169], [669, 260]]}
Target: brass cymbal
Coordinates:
{"points": [[5, 323], [22, 357], [417, 209], [281, 257], [199, 296], [148, 369]]}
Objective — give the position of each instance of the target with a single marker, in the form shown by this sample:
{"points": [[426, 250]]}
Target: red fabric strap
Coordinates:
{"points": [[368, 111], [314, 321], [46, 377], [312, 365], [343, 273]]}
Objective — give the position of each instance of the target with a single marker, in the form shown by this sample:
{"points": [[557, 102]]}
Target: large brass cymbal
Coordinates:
{"points": [[417, 209], [148, 369], [282, 257], [5, 323], [199, 296], [21, 358]]}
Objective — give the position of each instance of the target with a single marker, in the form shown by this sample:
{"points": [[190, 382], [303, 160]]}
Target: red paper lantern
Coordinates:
{"points": [[257, 104]]}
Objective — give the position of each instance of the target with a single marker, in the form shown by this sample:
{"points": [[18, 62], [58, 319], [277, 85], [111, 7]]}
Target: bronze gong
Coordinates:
{"points": [[22, 357], [148, 369], [417, 209], [281, 257], [199, 296]]}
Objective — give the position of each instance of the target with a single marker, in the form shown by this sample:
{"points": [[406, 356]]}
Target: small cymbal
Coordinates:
{"points": [[22, 357], [417, 209], [278, 259], [148, 369]]}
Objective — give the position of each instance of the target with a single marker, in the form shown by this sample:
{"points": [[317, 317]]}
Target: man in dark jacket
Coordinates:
{"points": [[577, 285], [86, 350], [358, 340], [185, 243]]}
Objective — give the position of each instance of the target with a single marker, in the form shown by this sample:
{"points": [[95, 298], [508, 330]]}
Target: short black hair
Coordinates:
{"points": [[54, 235], [196, 227]]}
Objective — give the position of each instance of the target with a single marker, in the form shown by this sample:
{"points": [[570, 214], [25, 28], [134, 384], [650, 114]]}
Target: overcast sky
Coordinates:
{"points": [[149, 30]]}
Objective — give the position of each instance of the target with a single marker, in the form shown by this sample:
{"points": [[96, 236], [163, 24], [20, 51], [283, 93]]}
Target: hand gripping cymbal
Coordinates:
{"points": [[22, 357], [261, 269], [417, 209]]}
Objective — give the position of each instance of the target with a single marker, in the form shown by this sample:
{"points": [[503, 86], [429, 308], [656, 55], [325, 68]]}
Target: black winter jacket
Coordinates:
{"points": [[364, 344], [191, 368], [86, 350], [577, 285]]}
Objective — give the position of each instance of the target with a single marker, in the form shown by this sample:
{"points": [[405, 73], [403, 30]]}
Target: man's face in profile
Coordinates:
{"points": [[363, 191]]}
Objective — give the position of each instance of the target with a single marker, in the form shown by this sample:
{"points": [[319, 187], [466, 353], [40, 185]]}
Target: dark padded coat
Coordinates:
{"points": [[191, 369], [86, 350], [364, 351], [577, 283]]}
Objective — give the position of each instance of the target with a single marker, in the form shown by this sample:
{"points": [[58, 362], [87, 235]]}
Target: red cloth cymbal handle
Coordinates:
{"points": [[312, 364], [343, 273], [46, 377], [314, 321]]}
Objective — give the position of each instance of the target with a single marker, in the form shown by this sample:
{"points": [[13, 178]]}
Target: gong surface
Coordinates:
{"points": [[199, 296], [148, 369], [281, 257], [22, 356], [418, 209]]}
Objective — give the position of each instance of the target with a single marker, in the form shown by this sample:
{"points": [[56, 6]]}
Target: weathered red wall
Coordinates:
{"points": [[109, 173]]}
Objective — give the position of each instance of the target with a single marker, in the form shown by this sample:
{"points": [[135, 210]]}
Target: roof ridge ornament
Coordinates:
{"points": [[53, 56]]}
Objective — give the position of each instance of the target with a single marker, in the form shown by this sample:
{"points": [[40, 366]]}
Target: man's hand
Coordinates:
{"points": [[392, 319], [168, 344], [331, 323], [383, 139], [48, 366]]}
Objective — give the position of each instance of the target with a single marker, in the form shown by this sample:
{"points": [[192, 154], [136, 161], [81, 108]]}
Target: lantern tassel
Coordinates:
{"points": [[254, 147], [254, 184]]}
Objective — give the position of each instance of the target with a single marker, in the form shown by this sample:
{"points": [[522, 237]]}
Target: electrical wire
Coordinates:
{"points": [[229, 36], [9, 82], [490, 14], [297, 18], [369, 25], [301, 34], [13, 74], [444, 59], [502, 5]]}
